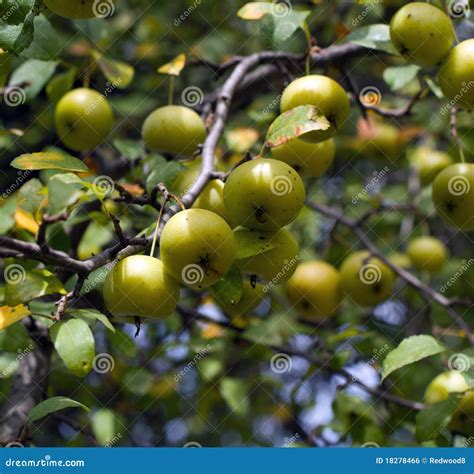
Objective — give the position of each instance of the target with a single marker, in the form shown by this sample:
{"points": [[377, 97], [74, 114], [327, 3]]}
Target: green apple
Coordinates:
{"points": [[252, 296], [428, 253], [453, 195], [325, 94], [83, 119], [443, 385], [263, 194], [75, 9], [197, 247], [456, 75], [311, 160], [378, 139], [277, 264], [401, 260], [422, 33], [139, 286], [174, 129], [212, 198], [315, 289], [429, 163], [366, 280]]}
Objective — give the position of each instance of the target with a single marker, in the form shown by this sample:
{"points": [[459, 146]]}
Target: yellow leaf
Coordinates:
{"points": [[242, 139], [25, 220], [211, 331], [10, 315], [254, 10], [174, 67], [119, 73]]}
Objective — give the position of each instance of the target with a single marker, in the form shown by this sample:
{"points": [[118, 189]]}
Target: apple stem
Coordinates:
{"points": [[155, 235], [171, 91]]}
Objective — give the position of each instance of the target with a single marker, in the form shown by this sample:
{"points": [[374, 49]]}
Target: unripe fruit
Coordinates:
{"points": [[315, 289], [277, 264], [421, 33], [83, 119], [366, 280], [427, 253], [401, 260], [453, 195], [197, 247], [311, 160], [263, 194], [456, 75], [325, 94], [212, 198], [250, 299], [75, 9], [443, 385], [429, 163], [138, 286], [174, 129], [378, 139]]}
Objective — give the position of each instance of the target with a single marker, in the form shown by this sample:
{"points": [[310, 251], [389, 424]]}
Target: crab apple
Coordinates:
{"points": [[277, 264], [74, 9], [174, 129], [315, 289], [366, 280], [252, 296], [378, 139], [325, 94], [429, 163], [139, 286], [311, 160], [263, 194], [212, 198], [427, 253], [421, 33], [83, 119], [456, 75], [401, 260], [197, 247], [453, 195]]}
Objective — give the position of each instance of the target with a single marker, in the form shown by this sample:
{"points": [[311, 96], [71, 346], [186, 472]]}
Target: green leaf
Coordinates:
{"points": [[399, 76], [63, 191], [130, 149], [30, 285], [60, 84], [7, 212], [5, 66], [431, 421], [15, 11], [162, 171], [250, 243], [120, 74], [228, 290], [51, 405], [48, 161], [123, 343], [16, 38], [74, 342], [411, 349], [31, 196], [375, 36], [286, 25], [15, 338], [92, 315], [47, 43], [36, 73], [235, 393], [295, 123]]}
